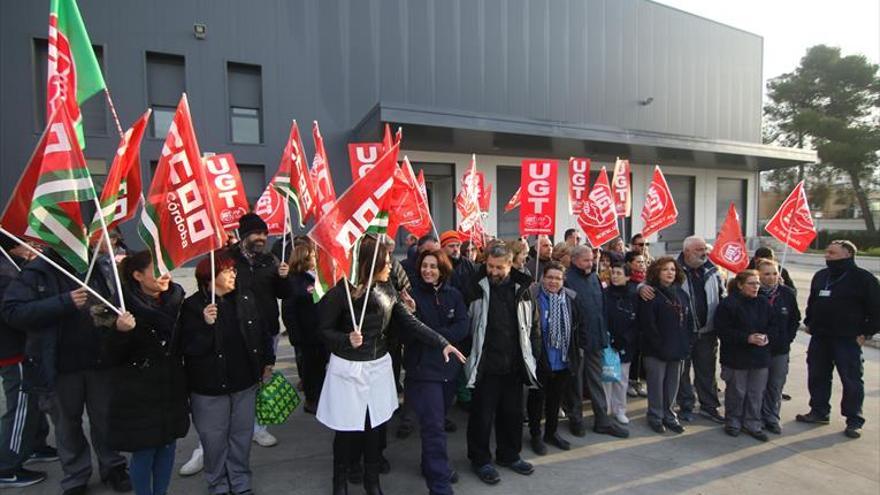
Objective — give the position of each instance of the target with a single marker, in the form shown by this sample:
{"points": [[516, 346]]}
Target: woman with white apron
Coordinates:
{"points": [[359, 395]]}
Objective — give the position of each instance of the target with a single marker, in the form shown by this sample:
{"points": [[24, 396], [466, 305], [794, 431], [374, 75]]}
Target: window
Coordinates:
{"points": [[683, 189], [731, 191], [508, 179], [245, 103], [93, 110], [166, 83], [253, 176]]}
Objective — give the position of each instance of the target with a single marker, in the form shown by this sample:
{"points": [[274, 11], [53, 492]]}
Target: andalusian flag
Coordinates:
{"points": [[122, 191], [47, 203], [74, 74], [293, 179]]}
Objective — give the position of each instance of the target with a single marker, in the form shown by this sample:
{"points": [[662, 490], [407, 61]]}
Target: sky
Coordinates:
{"points": [[789, 27]]}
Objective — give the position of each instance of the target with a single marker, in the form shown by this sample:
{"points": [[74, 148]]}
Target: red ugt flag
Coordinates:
{"points": [[230, 198], [659, 211], [324, 190], [514, 201], [792, 223], [270, 207], [598, 218], [404, 208], [729, 250], [362, 157], [621, 187], [578, 183], [179, 221], [537, 213]]}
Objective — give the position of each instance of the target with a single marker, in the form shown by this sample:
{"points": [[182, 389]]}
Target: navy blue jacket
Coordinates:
{"points": [[621, 306], [787, 317], [300, 313], [11, 338], [736, 318], [38, 302], [591, 306], [666, 324], [444, 311], [852, 308]]}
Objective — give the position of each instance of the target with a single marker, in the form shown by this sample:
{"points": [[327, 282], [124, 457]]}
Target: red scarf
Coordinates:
{"points": [[637, 277]]}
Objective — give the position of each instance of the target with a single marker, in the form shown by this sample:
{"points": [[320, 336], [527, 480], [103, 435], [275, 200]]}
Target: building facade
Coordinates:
{"points": [[505, 79]]}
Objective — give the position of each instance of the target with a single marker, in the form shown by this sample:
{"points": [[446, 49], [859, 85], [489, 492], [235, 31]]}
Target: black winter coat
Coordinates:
{"points": [[443, 310], [591, 307], [299, 311], [259, 276], [383, 308], [210, 364], [578, 333], [463, 271], [737, 317], [149, 406], [621, 308], [852, 309], [666, 324], [38, 302], [11, 338], [787, 316]]}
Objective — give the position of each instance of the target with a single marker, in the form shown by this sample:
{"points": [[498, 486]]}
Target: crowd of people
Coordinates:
{"points": [[514, 334]]}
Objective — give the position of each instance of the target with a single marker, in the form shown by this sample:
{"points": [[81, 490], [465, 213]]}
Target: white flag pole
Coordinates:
{"points": [[213, 276], [92, 263], [379, 239], [62, 270], [8, 257], [106, 234]]}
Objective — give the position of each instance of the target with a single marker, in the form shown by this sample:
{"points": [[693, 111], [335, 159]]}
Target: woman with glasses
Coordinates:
{"points": [[745, 324], [227, 352], [359, 395]]}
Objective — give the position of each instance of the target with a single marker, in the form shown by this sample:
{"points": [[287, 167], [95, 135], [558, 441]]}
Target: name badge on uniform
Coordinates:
{"points": [[825, 293]]}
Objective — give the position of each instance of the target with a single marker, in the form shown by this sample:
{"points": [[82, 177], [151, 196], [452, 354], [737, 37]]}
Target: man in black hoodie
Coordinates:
{"points": [[843, 310], [23, 427]]}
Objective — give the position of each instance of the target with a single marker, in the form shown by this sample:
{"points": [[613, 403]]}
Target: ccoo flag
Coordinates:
{"points": [[792, 223], [729, 250]]}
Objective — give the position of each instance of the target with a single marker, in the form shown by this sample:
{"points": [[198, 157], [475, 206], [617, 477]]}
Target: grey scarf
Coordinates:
{"points": [[559, 321]]}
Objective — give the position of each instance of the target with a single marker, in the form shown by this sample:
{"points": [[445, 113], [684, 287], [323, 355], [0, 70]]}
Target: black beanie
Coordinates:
{"points": [[250, 223]]}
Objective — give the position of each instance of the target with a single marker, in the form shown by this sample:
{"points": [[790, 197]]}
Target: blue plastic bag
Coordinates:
{"points": [[610, 365]]}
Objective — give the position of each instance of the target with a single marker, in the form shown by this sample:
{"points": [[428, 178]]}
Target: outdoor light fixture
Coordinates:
{"points": [[200, 31]]}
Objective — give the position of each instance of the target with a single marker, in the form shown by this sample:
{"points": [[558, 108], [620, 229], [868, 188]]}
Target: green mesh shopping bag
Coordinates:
{"points": [[276, 399]]}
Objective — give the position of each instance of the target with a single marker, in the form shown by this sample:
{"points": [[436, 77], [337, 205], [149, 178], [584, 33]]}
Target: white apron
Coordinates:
{"points": [[353, 387]]}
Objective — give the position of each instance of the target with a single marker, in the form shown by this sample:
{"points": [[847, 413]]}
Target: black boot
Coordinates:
{"points": [[340, 479], [371, 479]]}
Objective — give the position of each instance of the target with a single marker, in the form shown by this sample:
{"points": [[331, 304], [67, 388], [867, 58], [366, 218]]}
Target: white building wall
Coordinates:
{"points": [[704, 189]]}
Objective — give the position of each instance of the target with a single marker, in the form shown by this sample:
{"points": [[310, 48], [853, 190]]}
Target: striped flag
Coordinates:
{"points": [[47, 203], [293, 180]]}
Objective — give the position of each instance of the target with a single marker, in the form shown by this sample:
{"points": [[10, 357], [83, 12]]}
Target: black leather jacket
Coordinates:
{"points": [[383, 309]]}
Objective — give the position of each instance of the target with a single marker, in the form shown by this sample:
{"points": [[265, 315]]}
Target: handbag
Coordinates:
{"points": [[611, 365], [276, 399]]}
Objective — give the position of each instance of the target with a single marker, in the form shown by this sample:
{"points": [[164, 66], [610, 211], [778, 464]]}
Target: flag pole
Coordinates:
{"points": [[62, 270], [537, 254], [213, 276], [109, 248], [9, 258], [284, 231], [92, 263], [113, 111], [379, 238]]}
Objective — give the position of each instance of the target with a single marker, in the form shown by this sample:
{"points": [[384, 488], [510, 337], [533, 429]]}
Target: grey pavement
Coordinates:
{"points": [[804, 459]]}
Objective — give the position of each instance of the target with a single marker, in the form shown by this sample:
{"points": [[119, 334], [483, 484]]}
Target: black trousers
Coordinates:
{"points": [[313, 359], [497, 400], [349, 445], [844, 353], [545, 401]]}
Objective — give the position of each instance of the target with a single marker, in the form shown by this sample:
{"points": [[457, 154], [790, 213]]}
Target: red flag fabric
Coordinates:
{"points": [[230, 198], [423, 188], [293, 179], [362, 157], [349, 217], [270, 207], [729, 250], [620, 185], [123, 188], [179, 221], [792, 223], [485, 193], [578, 183], [659, 211], [324, 190], [598, 218], [387, 140], [514, 201], [537, 213], [405, 201]]}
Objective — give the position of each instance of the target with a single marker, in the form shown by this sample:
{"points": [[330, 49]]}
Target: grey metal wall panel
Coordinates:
{"points": [[578, 61]]}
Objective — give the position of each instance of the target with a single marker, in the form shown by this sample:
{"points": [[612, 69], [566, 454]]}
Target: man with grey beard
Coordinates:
{"points": [[705, 287]]}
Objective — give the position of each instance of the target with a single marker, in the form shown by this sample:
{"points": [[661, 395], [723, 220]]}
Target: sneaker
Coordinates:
{"points": [[577, 428], [519, 466], [686, 416], [773, 428], [77, 490], [118, 479], [758, 435], [712, 415], [558, 442], [265, 439], [812, 418], [674, 427], [21, 478], [657, 427], [853, 432], [194, 464], [642, 389], [612, 429], [487, 474], [731, 431], [621, 418], [631, 391], [45, 454], [538, 445]]}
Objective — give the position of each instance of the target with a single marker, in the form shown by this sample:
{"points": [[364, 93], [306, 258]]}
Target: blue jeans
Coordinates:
{"points": [[150, 469]]}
